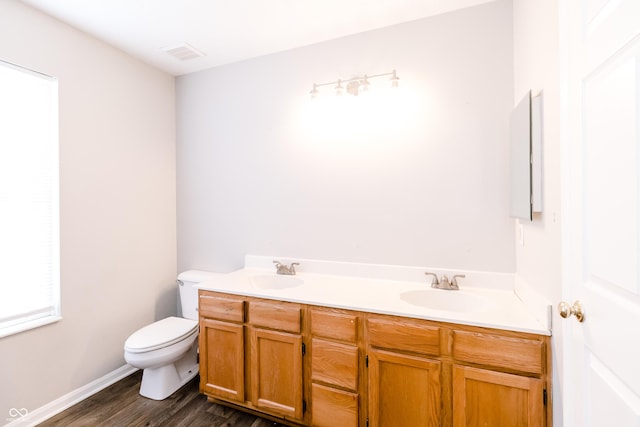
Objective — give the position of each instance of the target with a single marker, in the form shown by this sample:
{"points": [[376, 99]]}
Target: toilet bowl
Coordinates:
{"points": [[167, 350]]}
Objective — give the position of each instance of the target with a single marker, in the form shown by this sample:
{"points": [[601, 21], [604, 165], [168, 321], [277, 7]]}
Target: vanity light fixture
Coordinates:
{"points": [[355, 85]]}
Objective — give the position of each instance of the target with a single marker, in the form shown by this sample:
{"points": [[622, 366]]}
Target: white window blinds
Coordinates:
{"points": [[29, 224]]}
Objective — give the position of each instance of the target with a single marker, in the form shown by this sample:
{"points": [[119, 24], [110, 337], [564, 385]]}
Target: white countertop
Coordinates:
{"points": [[373, 290]]}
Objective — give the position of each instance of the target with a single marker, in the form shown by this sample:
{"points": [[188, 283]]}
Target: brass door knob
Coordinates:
{"points": [[567, 310]]}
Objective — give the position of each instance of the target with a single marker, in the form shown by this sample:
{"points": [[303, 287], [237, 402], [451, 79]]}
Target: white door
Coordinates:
{"points": [[601, 229]]}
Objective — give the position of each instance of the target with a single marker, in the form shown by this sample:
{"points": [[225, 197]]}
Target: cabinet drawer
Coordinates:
{"points": [[339, 326], [519, 354], [404, 334], [281, 316], [333, 407], [334, 363], [215, 307]]}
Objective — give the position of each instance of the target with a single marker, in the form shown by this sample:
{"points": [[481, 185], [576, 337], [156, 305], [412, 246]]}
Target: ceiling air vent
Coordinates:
{"points": [[183, 51]]}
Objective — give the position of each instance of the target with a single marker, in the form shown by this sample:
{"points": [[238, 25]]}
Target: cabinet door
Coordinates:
{"points": [[222, 359], [403, 390], [276, 372], [487, 398]]}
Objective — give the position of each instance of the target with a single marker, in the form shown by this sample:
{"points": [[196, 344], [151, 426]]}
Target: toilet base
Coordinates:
{"points": [[160, 383]]}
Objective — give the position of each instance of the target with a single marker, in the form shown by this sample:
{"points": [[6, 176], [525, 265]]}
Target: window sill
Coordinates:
{"points": [[12, 330]]}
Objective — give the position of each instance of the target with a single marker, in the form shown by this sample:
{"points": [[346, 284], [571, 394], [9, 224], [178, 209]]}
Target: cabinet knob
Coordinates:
{"points": [[567, 310]]}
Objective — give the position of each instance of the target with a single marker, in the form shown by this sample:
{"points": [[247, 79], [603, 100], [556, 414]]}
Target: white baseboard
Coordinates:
{"points": [[47, 411]]}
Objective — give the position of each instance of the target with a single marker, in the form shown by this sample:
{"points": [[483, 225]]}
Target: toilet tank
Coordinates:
{"points": [[188, 293]]}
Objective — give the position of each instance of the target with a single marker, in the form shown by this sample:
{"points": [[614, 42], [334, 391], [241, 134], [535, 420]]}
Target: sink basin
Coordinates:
{"points": [[436, 299], [275, 281]]}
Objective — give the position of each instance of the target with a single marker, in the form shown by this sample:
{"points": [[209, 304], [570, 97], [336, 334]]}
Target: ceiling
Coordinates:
{"points": [[227, 31]]}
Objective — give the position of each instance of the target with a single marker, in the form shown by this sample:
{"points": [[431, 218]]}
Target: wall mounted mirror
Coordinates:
{"points": [[526, 157]]}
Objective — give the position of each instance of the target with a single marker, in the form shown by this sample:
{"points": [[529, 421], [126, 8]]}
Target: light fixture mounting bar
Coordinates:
{"points": [[364, 77], [353, 84]]}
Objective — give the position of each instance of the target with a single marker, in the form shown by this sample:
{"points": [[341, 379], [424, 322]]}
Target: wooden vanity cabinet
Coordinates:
{"points": [[335, 365], [276, 358], [221, 345], [324, 367], [437, 374], [251, 353], [508, 388], [404, 374]]}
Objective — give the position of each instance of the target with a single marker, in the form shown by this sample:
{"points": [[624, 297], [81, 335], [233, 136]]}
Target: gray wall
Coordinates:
{"points": [[416, 179], [117, 208]]}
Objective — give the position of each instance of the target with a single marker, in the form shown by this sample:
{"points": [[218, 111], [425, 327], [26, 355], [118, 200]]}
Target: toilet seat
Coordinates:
{"points": [[160, 334]]}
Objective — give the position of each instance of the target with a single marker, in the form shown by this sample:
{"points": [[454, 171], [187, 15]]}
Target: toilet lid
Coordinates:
{"points": [[160, 334]]}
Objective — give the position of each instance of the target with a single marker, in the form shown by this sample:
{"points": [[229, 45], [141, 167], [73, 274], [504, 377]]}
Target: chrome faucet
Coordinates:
{"points": [[444, 282], [283, 269]]}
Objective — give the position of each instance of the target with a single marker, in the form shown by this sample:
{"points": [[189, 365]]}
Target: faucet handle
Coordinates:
{"points": [[435, 280], [454, 282], [292, 267], [280, 267]]}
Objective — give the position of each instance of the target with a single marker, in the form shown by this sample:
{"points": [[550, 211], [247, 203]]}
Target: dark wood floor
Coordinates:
{"points": [[120, 405]]}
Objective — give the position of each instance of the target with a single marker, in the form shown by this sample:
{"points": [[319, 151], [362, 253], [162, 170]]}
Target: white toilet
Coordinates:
{"points": [[167, 350]]}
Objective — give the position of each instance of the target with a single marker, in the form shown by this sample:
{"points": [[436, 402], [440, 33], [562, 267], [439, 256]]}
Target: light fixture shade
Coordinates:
{"points": [[353, 87], [364, 85], [394, 80], [339, 89], [314, 92]]}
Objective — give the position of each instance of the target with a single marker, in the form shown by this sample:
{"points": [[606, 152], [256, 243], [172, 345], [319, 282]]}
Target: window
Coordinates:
{"points": [[29, 223]]}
